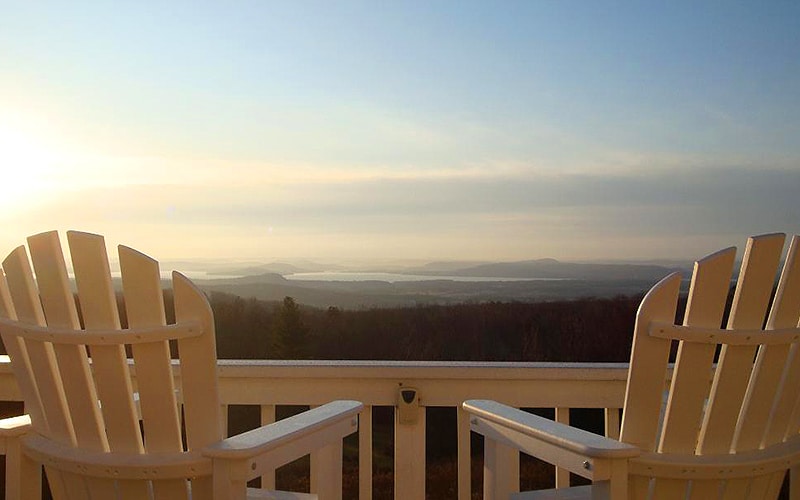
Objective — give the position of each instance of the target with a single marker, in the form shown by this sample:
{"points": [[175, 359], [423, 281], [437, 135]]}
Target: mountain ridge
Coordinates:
{"points": [[549, 268]]}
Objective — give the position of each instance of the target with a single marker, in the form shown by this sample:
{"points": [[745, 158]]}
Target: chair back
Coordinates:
{"points": [[99, 432], [724, 420]]}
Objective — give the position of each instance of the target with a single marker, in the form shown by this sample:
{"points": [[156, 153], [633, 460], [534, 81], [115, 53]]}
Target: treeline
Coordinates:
{"points": [[586, 329], [577, 330]]}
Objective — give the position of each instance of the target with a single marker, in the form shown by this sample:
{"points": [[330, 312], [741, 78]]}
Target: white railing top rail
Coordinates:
{"points": [[440, 383]]}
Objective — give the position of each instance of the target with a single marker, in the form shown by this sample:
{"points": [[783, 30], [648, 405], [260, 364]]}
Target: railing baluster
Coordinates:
{"points": [[612, 423], [562, 475], [224, 420], [268, 417], [365, 454], [315, 463], [464, 455]]}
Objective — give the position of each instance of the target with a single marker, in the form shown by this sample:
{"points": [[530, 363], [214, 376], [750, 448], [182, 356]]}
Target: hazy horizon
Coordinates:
{"points": [[352, 131]]}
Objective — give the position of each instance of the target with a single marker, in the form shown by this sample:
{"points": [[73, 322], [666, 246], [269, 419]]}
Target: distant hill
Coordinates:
{"points": [[668, 263], [539, 280], [442, 266], [262, 278], [274, 287], [370, 294], [554, 269], [272, 267]]}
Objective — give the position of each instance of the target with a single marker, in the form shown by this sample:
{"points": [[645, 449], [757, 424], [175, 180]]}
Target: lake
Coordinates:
{"points": [[395, 277]]}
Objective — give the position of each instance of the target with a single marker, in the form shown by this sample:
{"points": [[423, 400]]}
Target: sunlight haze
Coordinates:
{"points": [[409, 130]]}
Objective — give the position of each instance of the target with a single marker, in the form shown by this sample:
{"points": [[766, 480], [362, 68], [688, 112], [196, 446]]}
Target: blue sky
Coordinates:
{"points": [[430, 130]]}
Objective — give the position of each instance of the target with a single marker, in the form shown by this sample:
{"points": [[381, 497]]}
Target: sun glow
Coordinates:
{"points": [[28, 167]]}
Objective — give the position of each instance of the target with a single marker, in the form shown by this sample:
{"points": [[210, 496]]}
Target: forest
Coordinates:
{"points": [[586, 329]]}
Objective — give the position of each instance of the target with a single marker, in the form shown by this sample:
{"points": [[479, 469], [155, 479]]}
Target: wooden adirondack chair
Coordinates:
{"points": [[724, 426], [101, 434]]}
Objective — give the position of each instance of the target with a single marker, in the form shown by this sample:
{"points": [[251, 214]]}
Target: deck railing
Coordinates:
{"points": [[268, 384]]}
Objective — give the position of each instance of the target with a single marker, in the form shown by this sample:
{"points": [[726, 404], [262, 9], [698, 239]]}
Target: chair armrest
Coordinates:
{"points": [[302, 433], [15, 426], [579, 451]]}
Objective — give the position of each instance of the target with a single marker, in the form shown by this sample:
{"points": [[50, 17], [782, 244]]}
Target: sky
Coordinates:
{"points": [[438, 130]]}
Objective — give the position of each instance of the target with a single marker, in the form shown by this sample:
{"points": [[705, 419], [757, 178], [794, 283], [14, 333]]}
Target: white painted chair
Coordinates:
{"points": [[94, 435], [724, 424]]}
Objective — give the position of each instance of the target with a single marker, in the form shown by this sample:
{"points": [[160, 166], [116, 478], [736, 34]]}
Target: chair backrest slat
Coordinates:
{"points": [[99, 308], [110, 366], [198, 384], [691, 378], [16, 349], [749, 308], [60, 310], [57, 422], [40, 354], [144, 306], [199, 387], [73, 363], [649, 357], [782, 424], [766, 390]]}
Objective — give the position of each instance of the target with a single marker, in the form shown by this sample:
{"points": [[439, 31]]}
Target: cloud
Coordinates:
{"points": [[507, 216]]}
